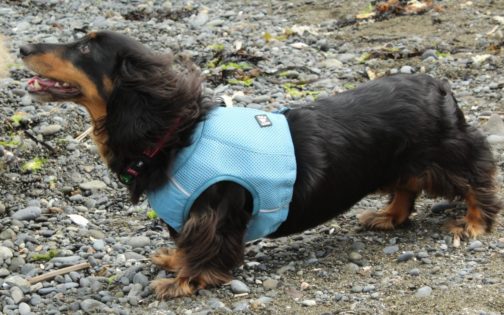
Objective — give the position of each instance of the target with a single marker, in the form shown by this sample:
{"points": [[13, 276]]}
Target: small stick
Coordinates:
{"points": [[84, 134], [45, 144], [62, 271]]}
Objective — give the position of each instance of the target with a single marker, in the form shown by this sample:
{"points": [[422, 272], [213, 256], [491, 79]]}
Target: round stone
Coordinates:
{"points": [[239, 287]]}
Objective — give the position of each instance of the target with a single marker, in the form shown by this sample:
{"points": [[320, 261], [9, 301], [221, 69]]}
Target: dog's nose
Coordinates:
{"points": [[26, 50]]}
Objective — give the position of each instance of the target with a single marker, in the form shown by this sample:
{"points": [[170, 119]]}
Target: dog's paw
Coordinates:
{"points": [[171, 288], [376, 220], [465, 229], [168, 259]]}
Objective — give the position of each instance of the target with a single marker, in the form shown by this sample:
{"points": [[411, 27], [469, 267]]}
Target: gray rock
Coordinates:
{"points": [[368, 288], [355, 257], [407, 69], [7, 234], [5, 253], [90, 306], [423, 292], [215, 303], [24, 309], [270, 284], [66, 261], [391, 249], [239, 287], [93, 185], [16, 294], [4, 272], [35, 299], [29, 213], [429, 53], [331, 64], [351, 267], [475, 245], [357, 289], [494, 125], [97, 234], [197, 21], [414, 272], [17, 281], [2, 206], [141, 279], [309, 303], [133, 256], [139, 241], [495, 139], [242, 306], [99, 245], [66, 286], [405, 256], [50, 129]]}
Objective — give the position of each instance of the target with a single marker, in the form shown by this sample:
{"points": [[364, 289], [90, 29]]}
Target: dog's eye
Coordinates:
{"points": [[84, 48]]}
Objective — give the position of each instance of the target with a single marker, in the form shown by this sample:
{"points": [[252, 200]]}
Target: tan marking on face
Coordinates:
{"points": [[107, 84], [91, 35], [52, 66]]}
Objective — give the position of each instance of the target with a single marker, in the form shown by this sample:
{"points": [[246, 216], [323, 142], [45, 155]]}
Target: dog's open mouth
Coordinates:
{"points": [[42, 85]]}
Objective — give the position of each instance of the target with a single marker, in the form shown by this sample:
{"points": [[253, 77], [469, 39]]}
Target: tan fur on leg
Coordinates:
{"points": [[396, 213], [168, 259]]}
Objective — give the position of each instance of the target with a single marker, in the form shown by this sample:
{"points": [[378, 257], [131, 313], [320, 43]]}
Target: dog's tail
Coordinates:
{"points": [[451, 104]]}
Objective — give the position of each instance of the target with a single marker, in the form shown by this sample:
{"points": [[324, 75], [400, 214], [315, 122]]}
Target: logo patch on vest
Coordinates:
{"points": [[263, 120]]}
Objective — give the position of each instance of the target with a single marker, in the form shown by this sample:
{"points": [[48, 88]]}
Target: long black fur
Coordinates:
{"points": [[373, 138]]}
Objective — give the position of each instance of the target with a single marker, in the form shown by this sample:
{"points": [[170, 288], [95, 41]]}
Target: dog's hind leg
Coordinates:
{"points": [[393, 215], [482, 208], [397, 211]]}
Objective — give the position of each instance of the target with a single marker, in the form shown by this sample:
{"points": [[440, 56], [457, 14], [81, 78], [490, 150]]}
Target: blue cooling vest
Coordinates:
{"points": [[246, 146]]}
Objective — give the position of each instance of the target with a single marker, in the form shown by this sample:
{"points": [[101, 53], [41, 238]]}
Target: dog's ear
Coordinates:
{"points": [[133, 104], [147, 96]]}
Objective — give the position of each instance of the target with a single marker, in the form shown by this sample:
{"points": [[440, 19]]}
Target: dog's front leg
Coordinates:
{"points": [[210, 244]]}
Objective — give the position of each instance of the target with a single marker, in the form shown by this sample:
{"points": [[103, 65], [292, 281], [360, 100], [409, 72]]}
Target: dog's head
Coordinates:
{"points": [[83, 71], [132, 94]]}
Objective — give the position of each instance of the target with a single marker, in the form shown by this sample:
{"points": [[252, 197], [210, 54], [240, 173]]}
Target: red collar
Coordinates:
{"points": [[151, 152], [134, 169]]}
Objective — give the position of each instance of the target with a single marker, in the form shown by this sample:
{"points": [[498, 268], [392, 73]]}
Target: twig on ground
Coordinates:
{"points": [[62, 271]]}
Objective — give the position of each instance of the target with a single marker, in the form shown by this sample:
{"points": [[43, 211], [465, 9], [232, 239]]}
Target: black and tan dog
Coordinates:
{"points": [[401, 135]]}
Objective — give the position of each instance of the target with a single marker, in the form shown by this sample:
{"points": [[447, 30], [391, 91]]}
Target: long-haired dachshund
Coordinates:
{"points": [[222, 176]]}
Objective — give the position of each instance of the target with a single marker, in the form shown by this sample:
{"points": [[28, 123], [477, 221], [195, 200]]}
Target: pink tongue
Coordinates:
{"points": [[43, 82]]}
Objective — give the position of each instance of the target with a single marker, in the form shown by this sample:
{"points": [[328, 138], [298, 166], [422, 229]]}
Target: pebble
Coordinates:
{"points": [[391, 249], [50, 129], [91, 306], [24, 309], [494, 125], [93, 185], [18, 281], [357, 289], [270, 284], [407, 69], [309, 303], [5, 253], [475, 245], [369, 288], [139, 241], [99, 245], [423, 292], [26, 214], [414, 272], [16, 294], [239, 287], [405, 256], [66, 261]]}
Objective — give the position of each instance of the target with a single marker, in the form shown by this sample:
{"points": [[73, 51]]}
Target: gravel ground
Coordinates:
{"points": [[262, 54]]}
